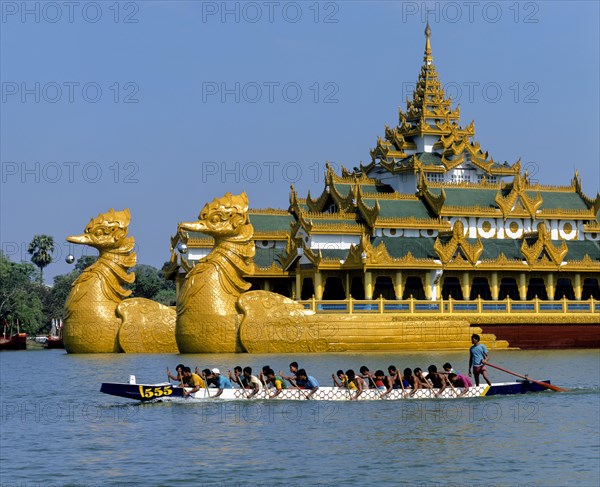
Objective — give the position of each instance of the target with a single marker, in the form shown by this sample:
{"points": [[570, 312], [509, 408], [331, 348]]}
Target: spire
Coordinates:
{"points": [[428, 58]]}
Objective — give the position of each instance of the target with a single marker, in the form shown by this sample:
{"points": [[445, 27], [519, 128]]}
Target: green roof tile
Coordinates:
{"points": [[555, 200], [419, 247], [270, 223], [579, 249], [400, 208], [265, 257]]}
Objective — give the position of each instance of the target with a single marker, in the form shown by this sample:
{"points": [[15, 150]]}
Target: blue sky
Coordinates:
{"points": [[162, 106]]}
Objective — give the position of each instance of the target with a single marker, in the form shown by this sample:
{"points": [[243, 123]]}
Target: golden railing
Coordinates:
{"points": [[452, 306]]}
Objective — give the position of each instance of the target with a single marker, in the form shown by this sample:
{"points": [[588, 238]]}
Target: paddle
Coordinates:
{"points": [[239, 381], [539, 383], [376, 388], [264, 381], [301, 390]]}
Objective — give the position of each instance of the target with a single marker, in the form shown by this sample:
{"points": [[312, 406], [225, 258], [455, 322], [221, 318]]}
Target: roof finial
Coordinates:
{"points": [[428, 58]]}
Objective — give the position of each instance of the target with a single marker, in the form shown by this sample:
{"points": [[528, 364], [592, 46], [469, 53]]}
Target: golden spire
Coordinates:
{"points": [[428, 58]]}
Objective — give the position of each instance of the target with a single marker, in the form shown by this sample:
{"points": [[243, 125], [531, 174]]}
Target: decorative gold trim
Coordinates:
{"points": [[458, 247]]}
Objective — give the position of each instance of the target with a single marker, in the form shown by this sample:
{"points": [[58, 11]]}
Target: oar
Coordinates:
{"points": [[264, 381], [376, 388], [301, 390], [539, 383], [239, 380], [451, 385], [168, 375]]}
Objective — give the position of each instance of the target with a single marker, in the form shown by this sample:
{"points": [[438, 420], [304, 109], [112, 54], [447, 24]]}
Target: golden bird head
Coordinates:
{"points": [[106, 231], [221, 218]]}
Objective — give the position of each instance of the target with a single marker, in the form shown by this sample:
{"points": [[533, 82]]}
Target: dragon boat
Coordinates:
{"points": [[166, 391]]}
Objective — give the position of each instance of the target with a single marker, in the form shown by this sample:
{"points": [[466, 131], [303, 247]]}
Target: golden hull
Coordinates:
{"points": [[208, 333], [91, 331]]}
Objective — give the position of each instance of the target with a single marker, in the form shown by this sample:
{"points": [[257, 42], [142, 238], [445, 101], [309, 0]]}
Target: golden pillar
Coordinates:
{"points": [[267, 286], [466, 285], [494, 286], [577, 287], [398, 285], [318, 285], [298, 294], [368, 285], [427, 286], [522, 286], [347, 288], [550, 285]]}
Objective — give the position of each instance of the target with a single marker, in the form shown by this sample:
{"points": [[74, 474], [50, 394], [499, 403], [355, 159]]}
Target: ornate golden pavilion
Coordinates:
{"points": [[432, 218]]}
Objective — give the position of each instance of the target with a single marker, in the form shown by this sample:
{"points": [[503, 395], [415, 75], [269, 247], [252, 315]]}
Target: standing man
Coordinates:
{"points": [[478, 355]]}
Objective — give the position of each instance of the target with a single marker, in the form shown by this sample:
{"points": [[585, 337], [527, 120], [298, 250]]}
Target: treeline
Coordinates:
{"points": [[24, 297]]}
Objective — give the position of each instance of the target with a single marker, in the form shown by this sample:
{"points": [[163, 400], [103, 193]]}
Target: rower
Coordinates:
{"points": [[305, 381], [381, 382], [408, 379], [365, 374], [252, 381], [221, 381], [238, 377], [420, 381], [434, 377], [193, 380], [354, 383], [340, 379], [457, 380], [394, 377], [293, 370], [276, 380], [179, 376]]}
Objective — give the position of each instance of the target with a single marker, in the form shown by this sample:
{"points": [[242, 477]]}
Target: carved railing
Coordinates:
{"points": [[452, 306]]}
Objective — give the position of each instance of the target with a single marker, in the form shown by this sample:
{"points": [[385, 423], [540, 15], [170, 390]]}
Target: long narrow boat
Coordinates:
{"points": [[18, 341], [168, 392]]}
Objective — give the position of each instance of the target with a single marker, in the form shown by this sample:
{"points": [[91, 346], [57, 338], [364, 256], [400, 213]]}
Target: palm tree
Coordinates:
{"points": [[41, 248]]}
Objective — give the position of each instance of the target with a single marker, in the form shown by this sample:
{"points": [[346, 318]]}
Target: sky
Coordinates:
{"points": [[162, 106]]}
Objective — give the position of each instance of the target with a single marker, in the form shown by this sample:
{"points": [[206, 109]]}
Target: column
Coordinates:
{"points": [[427, 285], [577, 287], [522, 286], [348, 282], [494, 286], [298, 285], [466, 285], [550, 283], [368, 285], [398, 285], [267, 285], [318, 280]]}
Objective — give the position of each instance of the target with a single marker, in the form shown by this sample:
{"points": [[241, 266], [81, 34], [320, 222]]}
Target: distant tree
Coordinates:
{"points": [[166, 297], [19, 296], [150, 283], [84, 262], [41, 248]]}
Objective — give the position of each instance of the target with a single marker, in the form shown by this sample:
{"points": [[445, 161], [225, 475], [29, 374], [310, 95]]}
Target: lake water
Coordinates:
{"points": [[58, 430]]}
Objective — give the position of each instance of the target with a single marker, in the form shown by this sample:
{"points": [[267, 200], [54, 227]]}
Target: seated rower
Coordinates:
{"points": [[305, 381], [457, 380], [381, 382], [339, 379], [276, 381], [354, 383], [367, 375], [179, 376], [394, 377], [207, 376], [221, 381], [192, 380], [448, 369], [238, 377], [420, 382], [293, 370], [407, 379], [433, 376], [253, 382]]}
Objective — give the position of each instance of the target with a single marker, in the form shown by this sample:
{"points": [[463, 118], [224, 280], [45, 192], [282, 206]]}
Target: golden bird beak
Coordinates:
{"points": [[80, 239], [198, 226]]}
